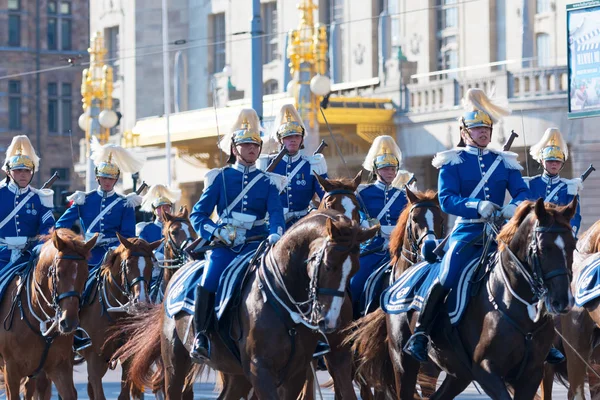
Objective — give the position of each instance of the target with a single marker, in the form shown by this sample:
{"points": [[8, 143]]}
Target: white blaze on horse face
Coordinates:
{"points": [[430, 224], [186, 229], [348, 206], [142, 288], [336, 305], [560, 243]]}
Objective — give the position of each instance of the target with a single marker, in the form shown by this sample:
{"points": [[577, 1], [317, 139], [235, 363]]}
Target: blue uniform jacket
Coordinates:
{"points": [[373, 198], [300, 188], [544, 185], [34, 218], [461, 170], [149, 231], [223, 185]]}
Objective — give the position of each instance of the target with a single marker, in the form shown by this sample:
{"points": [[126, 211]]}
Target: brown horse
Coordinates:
{"points": [[121, 288], [580, 329], [496, 341], [40, 336], [299, 288]]}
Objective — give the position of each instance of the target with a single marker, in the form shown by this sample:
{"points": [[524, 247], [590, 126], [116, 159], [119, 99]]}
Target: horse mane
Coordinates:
{"points": [[399, 232], [72, 241], [341, 183], [590, 239], [106, 267], [508, 232]]}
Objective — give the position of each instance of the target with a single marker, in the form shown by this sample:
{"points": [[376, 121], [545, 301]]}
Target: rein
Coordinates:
{"points": [[415, 243], [180, 257]]}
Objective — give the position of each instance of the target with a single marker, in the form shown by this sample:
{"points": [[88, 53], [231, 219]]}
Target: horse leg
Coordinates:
{"points": [[547, 382], [62, 376], [490, 382], [427, 379], [406, 377], [452, 387], [263, 381], [308, 391], [593, 381], [339, 364], [42, 387], [526, 387], [12, 382], [235, 388], [177, 364], [96, 368], [127, 388]]}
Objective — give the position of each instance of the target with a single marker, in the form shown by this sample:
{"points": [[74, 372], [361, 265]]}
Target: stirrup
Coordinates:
{"points": [[321, 349], [408, 347], [199, 353]]}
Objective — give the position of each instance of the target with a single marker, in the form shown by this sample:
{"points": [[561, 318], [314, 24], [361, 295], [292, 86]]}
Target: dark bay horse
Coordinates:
{"points": [[299, 288], [501, 338], [121, 289], [41, 312]]}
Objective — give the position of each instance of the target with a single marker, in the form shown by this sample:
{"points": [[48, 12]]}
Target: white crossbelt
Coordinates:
{"points": [[101, 215], [240, 196], [548, 198], [16, 209], [388, 205], [485, 177]]}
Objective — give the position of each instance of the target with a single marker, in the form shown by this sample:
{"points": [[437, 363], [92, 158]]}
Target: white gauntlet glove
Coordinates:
{"points": [[222, 234], [486, 208], [273, 238], [508, 211]]}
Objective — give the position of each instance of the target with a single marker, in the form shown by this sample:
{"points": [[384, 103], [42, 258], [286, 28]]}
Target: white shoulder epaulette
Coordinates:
{"points": [[452, 157], [263, 162], [78, 197], [210, 177], [139, 227], [279, 181], [362, 187], [133, 200], [46, 196], [573, 185], [528, 179], [317, 163], [509, 158]]}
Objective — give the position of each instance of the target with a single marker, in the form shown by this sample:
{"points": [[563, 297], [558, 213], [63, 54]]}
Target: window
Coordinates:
{"points": [[14, 30], [271, 87], [14, 5], [447, 21], [14, 105], [219, 46], [270, 41], [393, 12], [335, 10], [542, 6], [111, 38], [543, 49], [60, 108], [59, 25]]}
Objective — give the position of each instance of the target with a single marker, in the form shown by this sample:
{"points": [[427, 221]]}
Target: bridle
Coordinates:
{"points": [[346, 192], [180, 257], [414, 253]]}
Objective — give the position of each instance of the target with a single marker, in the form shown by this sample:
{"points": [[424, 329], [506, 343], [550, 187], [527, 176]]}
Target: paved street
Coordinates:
{"points": [[204, 390]]}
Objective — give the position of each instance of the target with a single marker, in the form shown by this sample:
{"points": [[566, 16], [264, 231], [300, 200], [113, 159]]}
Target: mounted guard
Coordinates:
{"points": [[104, 211], [382, 203], [472, 184], [242, 195], [301, 185], [26, 212], [552, 153]]}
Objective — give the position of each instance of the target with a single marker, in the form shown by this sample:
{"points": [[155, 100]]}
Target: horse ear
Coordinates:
{"points": [[185, 212], [123, 240], [332, 230], [412, 198], [89, 245], [323, 182], [366, 234], [154, 245], [59, 244], [357, 179], [437, 197], [167, 216], [569, 210], [540, 210]]}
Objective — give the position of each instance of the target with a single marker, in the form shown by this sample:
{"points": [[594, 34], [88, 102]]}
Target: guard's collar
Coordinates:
{"points": [[292, 159], [158, 222], [476, 150], [13, 187], [381, 185], [102, 193], [548, 179], [243, 168]]}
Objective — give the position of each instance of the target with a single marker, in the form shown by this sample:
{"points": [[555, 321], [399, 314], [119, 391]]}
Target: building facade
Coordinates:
{"points": [[43, 35], [398, 67]]}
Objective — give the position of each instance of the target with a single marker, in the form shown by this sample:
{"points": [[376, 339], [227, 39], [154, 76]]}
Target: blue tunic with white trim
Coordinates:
{"points": [[33, 218], [87, 207], [557, 190], [149, 231]]}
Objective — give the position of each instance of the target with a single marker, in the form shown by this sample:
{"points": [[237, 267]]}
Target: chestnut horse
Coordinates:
{"points": [[120, 289], [496, 342], [297, 289], [39, 337]]}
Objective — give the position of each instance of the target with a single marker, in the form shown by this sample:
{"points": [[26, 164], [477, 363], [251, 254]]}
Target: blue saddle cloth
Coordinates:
{"points": [[411, 289], [374, 288], [182, 289], [9, 273], [587, 286], [90, 285]]}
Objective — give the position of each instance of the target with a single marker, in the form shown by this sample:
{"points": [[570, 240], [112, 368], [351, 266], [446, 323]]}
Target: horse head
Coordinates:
{"points": [[60, 276], [421, 222], [130, 266], [178, 233], [340, 195], [335, 259], [539, 236]]}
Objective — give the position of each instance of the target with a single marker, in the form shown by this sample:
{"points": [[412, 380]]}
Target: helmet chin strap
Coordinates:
{"points": [[468, 133], [237, 154], [9, 177]]}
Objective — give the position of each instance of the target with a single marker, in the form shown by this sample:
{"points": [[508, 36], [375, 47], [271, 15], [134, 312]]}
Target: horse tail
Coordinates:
{"points": [[370, 343], [142, 347]]}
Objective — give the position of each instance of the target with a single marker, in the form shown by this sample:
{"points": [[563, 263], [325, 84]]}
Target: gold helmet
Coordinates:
{"points": [[480, 110], [111, 159], [290, 123], [21, 155], [246, 129], [552, 147], [159, 195], [384, 152]]}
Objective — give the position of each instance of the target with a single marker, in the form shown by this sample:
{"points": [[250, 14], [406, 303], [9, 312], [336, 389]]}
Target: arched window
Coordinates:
{"points": [[271, 87]]}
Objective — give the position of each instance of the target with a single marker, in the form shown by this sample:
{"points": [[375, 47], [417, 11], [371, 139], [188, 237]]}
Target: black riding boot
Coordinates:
{"points": [[202, 316], [417, 345], [555, 356]]}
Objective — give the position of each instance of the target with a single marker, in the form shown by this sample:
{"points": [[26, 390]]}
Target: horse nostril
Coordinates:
{"points": [[64, 324]]}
